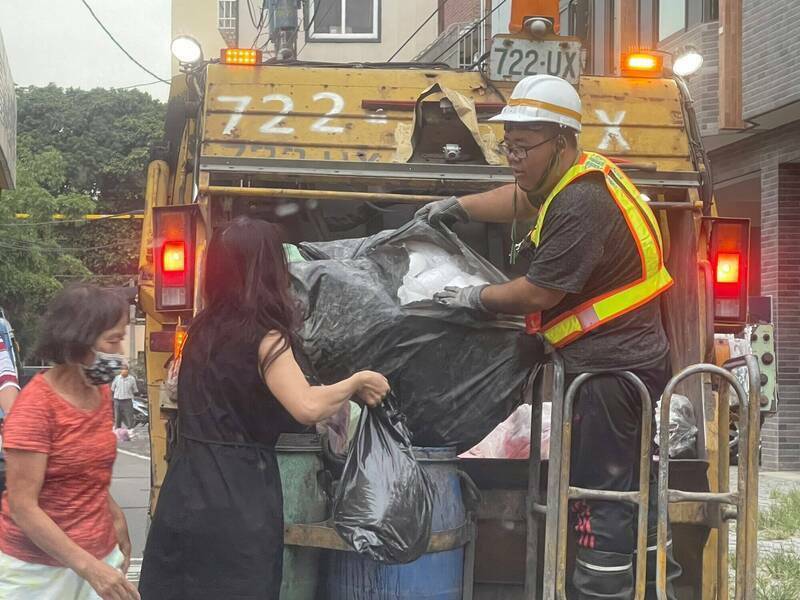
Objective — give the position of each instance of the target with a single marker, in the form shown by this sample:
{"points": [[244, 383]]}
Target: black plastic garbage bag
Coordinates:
{"points": [[457, 373], [384, 501]]}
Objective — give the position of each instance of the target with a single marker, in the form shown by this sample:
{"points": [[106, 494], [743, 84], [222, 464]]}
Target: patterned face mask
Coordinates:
{"points": [[104, 368]]}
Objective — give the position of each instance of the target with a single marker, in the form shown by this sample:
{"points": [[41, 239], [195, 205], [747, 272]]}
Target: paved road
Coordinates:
{"points": [[130, 487]]}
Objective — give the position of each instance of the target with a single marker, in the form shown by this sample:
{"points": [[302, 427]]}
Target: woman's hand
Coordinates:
{"points": [[371, 387], [109, 583], [121, 530]]}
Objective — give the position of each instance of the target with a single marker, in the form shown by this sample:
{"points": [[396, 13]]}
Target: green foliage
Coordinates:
{"points": [[78, 152], [781, 520], [32, 262], [103, 135], [778, 576]]}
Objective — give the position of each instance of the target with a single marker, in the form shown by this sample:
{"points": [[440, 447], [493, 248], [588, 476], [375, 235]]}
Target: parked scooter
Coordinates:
{"points": [[141, 413]]}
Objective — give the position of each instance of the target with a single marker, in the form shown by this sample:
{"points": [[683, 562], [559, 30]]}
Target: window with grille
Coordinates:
{"points": [[228, 15], [334, 20]]}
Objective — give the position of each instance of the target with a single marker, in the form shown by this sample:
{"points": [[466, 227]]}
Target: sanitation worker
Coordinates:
{"points": [[592, 291]]}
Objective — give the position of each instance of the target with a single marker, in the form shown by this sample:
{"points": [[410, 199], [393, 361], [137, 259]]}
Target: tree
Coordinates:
{"points": [[33, 263], [103, 135], [78, 152]]}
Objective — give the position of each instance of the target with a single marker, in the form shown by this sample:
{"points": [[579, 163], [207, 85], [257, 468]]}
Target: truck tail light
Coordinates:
{"points": [[728, 252], [174, 239]]}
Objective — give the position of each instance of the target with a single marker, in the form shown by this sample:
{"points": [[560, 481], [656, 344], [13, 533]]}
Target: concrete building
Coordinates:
{"points": [[8, 123], [330, 30]]}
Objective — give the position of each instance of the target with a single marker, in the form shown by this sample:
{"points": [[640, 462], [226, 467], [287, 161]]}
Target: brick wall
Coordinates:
{"points": [[776, 155], [704, 86], [770, 54], [460, 11]]}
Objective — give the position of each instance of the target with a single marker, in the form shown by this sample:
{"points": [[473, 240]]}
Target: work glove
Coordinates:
{"points": [[465, 297], [448, 211]]}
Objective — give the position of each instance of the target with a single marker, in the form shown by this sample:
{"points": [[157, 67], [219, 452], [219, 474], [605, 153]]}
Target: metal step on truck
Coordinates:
{"points": [[347, 150]]}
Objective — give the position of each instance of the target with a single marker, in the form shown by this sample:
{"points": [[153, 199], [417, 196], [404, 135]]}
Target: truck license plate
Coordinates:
{"points": [[515, 58]]}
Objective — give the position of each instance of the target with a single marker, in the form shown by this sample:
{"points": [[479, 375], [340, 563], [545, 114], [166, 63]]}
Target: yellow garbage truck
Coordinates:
{"points": [[347, 150]]}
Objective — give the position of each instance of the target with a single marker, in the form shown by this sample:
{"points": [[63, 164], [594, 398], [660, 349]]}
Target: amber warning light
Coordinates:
{"points": [[240, 56], [642, 64]]}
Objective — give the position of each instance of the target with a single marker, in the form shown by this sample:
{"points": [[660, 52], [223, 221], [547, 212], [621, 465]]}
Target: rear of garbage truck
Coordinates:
{"points": [[336, 151]]}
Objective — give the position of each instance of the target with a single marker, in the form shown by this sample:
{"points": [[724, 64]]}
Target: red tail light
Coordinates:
{"points": [[729, 250], [174, 257], [728, 268]]}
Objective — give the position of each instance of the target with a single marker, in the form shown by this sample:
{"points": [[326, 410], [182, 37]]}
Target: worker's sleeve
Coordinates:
{"points": [[135, 387], [114, 384], [576, 227]]}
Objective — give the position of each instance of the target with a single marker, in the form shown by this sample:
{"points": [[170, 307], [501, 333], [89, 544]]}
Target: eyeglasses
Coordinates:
{"points": [[520, 153]]}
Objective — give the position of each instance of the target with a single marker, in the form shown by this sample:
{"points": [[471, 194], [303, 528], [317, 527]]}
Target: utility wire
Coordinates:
{"points": [[308, 25], [113, 39], [60, 221], [413, 35], [469, 31], [138, 85]]}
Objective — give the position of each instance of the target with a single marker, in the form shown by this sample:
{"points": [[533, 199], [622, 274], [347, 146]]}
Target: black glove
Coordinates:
{"points": [[465, 297], [448, 211]]}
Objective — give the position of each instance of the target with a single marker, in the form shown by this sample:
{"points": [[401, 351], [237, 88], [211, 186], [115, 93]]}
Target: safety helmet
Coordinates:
{"points": [[543, 99]]}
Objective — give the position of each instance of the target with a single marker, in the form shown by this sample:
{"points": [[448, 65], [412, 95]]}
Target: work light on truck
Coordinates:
{"points": [[174, 257], [187, 50], [687, 62]]}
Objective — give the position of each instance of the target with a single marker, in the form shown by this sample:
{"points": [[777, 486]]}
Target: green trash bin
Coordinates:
{"points": [[300, 460]]}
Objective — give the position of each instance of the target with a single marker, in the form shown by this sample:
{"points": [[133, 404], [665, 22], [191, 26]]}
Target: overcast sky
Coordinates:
{"points": [[58, 41]]}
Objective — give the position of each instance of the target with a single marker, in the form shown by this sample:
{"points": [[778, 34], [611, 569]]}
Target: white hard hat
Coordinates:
{"points": [[543, 99]]}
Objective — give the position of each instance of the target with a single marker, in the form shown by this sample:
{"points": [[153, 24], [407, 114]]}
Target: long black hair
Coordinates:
{"points": [[246, 284]]}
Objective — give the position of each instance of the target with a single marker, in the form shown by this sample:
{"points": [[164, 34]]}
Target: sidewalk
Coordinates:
{"points": [[130, 487]]}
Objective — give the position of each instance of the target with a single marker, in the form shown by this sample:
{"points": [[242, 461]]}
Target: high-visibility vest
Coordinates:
{"points": [[655, 279]]}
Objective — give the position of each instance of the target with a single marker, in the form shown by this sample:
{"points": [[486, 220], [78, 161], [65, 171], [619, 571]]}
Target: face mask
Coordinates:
{"points": [[104, 368]]}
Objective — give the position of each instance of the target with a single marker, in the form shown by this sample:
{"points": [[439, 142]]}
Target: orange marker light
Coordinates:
{"points": [[728, 268], [174, 257], [642, 64], [240, 56]]}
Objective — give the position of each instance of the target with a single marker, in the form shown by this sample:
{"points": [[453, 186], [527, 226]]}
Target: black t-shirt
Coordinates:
{"points": [[586, 249]]}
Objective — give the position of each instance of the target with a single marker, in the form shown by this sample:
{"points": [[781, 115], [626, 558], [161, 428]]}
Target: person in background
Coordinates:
{"points": [[9, 389], [217, 531], [123, 390], [62, 535], [9, 381]]}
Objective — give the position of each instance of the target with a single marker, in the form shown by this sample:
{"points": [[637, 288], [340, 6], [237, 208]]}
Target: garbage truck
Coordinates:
{"points": [[335, 151]]}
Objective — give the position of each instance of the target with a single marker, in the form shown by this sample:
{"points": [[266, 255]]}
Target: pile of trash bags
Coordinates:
{"points": [[367, 304]]}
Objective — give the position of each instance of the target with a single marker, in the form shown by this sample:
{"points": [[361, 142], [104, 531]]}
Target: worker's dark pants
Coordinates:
{"points": [[606, 434], [123, 413]]}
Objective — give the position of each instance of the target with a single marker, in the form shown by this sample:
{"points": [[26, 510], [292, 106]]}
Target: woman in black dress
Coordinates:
{"points": [[217, 532]]}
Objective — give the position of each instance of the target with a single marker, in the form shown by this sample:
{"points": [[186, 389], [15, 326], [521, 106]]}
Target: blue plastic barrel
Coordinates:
{"points": [[436, 576]]}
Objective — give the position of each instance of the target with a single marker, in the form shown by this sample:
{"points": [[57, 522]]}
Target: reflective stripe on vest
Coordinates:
{"points": [[569, 326]]}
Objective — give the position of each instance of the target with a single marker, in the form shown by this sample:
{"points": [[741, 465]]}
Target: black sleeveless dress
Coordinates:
{"points": [[217, 531]]}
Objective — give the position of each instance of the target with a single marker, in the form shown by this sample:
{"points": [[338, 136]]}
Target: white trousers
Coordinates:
{"points": [[21, 580]]}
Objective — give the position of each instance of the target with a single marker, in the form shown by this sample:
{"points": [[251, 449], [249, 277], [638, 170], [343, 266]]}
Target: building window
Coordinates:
{"points": [[228, 15], [671, 17], [678, 15], [336, 20]]}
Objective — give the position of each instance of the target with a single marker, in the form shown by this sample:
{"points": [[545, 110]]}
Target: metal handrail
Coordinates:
{"points": [[747, 482], [567, 492]]}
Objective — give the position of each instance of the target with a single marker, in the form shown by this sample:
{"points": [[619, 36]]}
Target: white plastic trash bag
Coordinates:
{"points": [[682, 428], [430, 270]]}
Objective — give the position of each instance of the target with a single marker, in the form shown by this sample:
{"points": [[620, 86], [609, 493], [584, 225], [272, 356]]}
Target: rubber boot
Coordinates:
{"points": [[673, 570], [605, 575]]}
